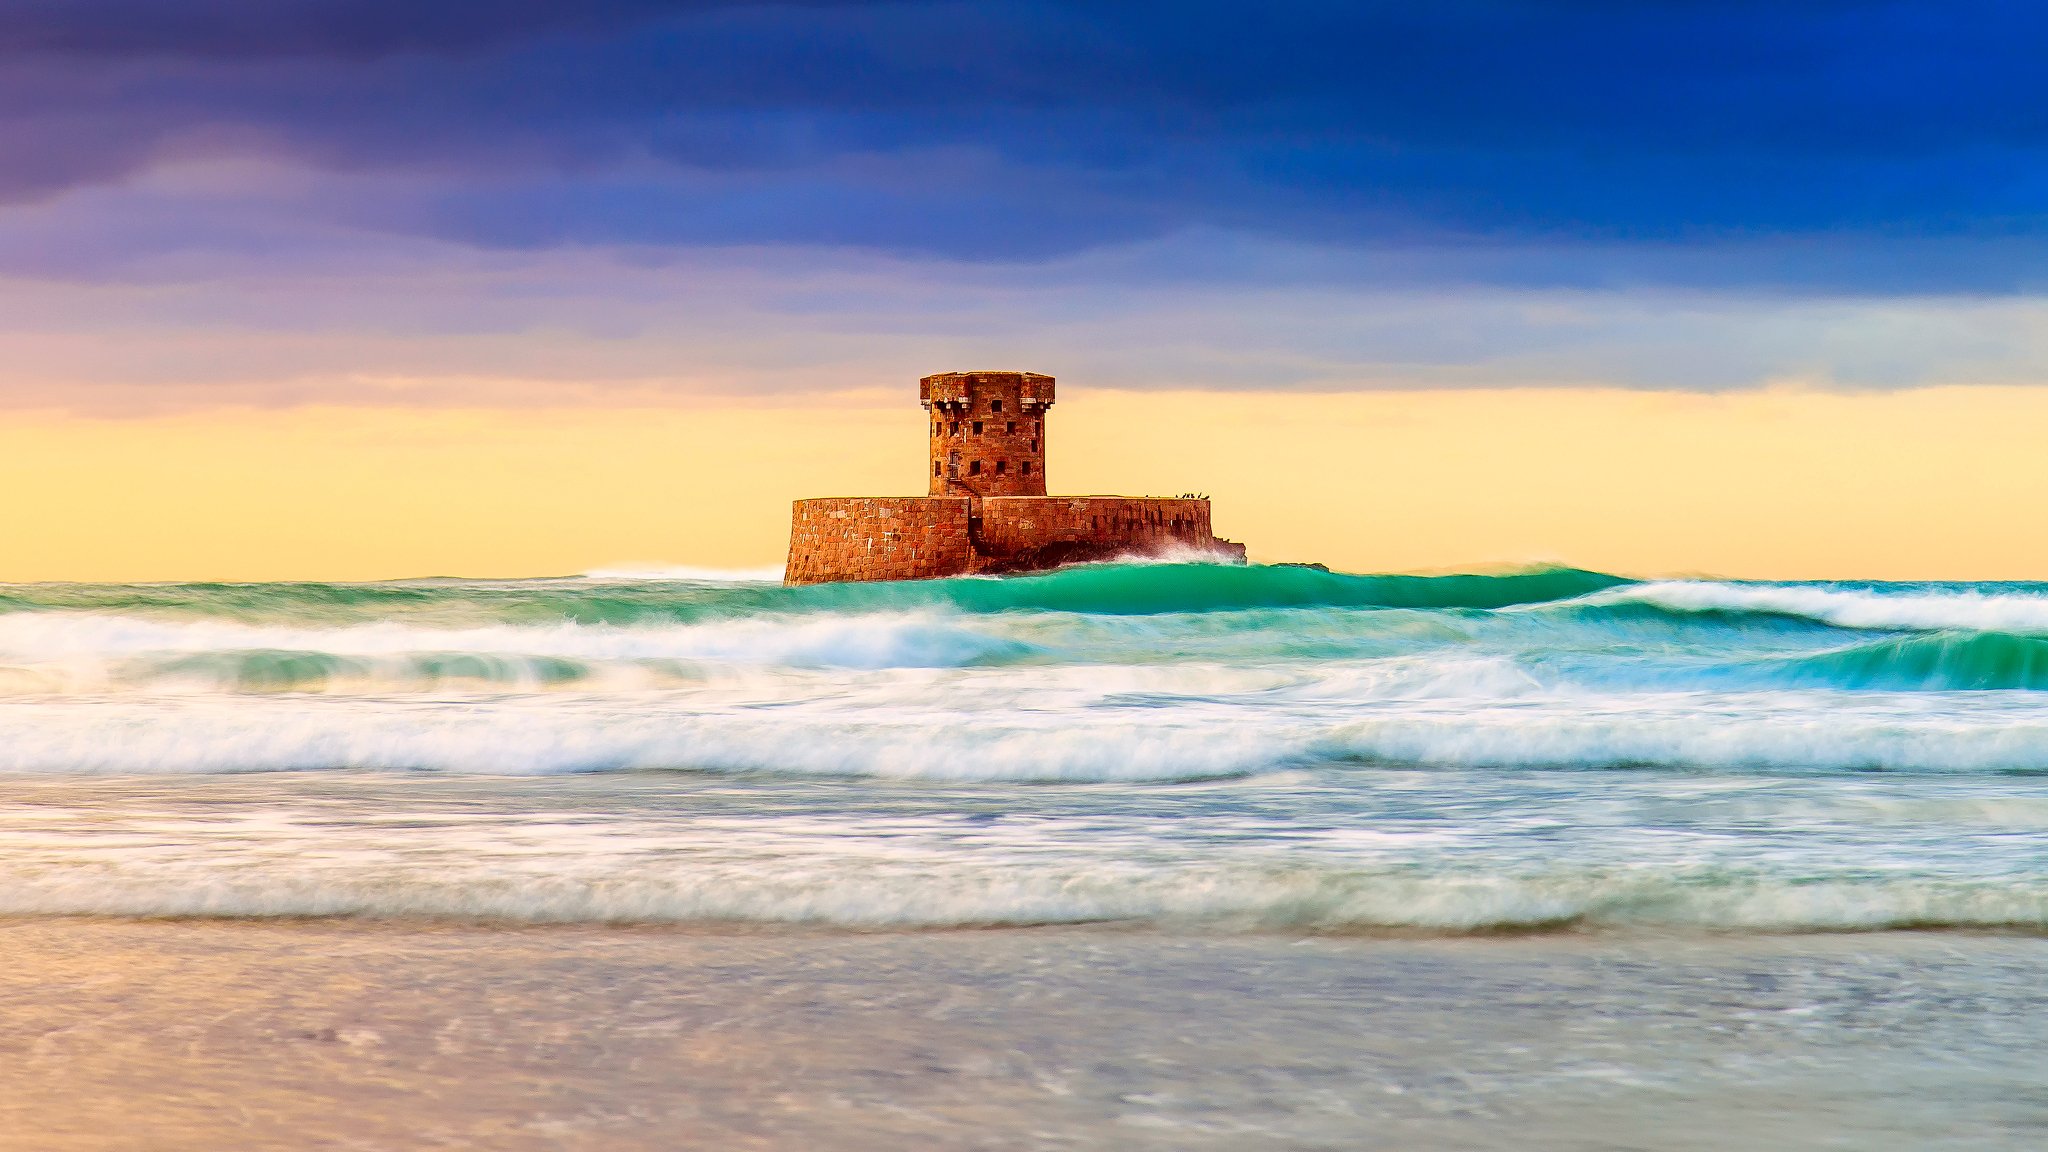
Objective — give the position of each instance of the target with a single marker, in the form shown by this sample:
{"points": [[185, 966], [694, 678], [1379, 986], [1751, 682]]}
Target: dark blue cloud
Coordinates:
{"points": [[976, 130], [253, 29]]}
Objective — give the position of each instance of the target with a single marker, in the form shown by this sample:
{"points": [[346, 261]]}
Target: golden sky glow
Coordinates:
{"points": [[1929, 483]]}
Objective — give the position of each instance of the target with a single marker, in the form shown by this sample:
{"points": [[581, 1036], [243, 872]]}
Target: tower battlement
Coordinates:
{"points": [[987, 510]]}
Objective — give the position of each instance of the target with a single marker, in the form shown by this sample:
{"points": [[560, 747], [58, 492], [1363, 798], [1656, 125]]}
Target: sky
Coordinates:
{"points": [[358, 288]]}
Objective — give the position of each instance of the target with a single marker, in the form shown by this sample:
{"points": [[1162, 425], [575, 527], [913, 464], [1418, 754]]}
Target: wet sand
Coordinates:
{"points": [[163, 1035]]}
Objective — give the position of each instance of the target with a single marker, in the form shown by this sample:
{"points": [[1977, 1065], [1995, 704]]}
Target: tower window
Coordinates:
{"points": [[1026, 466], [1034, 445], [995, 405], [974, 468], [977, 427], [1038, 426], [1001, 466], [935, 467], [1010, 428], [954, 427]]}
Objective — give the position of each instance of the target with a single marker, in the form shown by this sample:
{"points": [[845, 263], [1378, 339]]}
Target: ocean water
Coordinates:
{"points": [[1202, 746], [1832, 797]]}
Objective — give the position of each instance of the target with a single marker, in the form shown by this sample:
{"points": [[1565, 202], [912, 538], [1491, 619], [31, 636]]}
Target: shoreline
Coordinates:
{"points": [[170, 1035], [1597, 935]]}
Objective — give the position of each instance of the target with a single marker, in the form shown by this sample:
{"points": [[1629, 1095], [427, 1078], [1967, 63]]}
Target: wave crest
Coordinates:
{"points": [[1942, 662], [581, 734], [858, 893], [2016, 613], [96, 647]]}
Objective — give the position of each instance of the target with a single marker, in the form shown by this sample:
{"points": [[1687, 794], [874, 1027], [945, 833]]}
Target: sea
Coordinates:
{"points": [[1136, 855]]}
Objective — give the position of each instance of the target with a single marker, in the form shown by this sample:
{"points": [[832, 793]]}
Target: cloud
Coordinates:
{"points": [[987, 130], [279, 200], [453, 325], [225, 30]]}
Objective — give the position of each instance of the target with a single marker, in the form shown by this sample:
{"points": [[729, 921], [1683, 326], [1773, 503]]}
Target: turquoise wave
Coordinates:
{"points": [[1529, 630], [1107, 589], [264, 670], [1942, 662], [1156, 589]]}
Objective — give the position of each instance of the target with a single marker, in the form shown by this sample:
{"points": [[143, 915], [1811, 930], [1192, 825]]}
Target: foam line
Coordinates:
{"points": [[2020, 613]]}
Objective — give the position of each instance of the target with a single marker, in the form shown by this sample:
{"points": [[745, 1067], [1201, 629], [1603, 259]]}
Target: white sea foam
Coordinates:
{"points": [[881, 640], [1053, 725], [206, 735], [859, 892], [2022, 613], [1433, 677], [1177, 553], [1733, 732], [88, 652]]}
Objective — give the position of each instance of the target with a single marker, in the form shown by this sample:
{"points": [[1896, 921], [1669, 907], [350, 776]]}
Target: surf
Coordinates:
{"points": [[2019, 610]]}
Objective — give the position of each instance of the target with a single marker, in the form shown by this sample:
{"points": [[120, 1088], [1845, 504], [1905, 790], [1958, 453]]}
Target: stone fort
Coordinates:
{"points": [[987, 510]]}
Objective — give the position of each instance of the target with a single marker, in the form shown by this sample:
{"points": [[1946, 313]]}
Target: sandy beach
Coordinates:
{"points": [[169, 1035]]}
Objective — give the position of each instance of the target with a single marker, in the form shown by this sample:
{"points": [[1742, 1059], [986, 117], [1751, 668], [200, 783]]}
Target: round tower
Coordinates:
{"points": [[987, 432]]}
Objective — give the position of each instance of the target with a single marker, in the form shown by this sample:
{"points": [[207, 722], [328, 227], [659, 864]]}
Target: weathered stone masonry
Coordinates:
{"points": [[987, 511], [988, 432], [878, 538]]}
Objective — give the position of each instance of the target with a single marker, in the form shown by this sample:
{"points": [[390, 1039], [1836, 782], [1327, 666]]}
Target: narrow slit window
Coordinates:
{"points": [[1026, 466], [1034, 445], [935, 467], [1010, 427]]}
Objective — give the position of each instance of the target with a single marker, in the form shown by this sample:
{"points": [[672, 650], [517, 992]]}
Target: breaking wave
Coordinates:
{"points": [[1940, 662], [510, 739], [1142, 589], [627, 598], [1068, 733], [1205, 746], [1733, 734], [242, 655], [851, 893], [1868, 609]]}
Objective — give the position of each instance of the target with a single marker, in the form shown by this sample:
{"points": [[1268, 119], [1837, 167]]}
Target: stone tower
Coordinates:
{"points": [[988, 432]]}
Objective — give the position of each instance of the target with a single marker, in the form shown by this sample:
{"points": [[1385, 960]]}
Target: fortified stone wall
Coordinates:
{"points": [[878, 538], [916, 538], [1022, 532]]}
